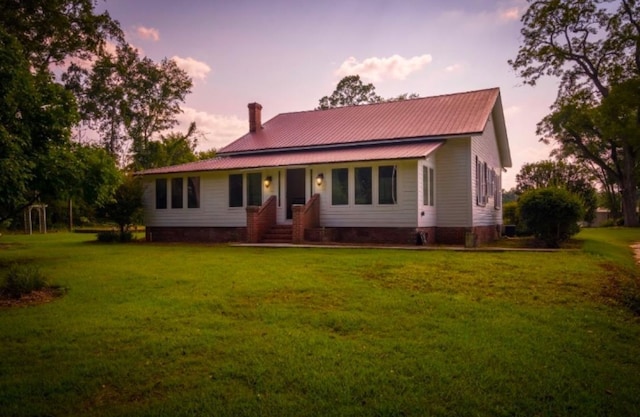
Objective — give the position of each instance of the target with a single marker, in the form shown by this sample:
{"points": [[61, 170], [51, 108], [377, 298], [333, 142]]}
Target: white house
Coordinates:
{"points": [[427, 168]]}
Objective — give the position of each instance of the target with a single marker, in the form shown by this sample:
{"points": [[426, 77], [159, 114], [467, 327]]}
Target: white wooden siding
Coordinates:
{"points": [[453, 183], [485, 147], [214, 208], [402, 214]]}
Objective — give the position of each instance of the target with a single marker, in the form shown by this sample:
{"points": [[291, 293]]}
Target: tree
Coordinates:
{"points": [[350, 91], [572, 177], [51, 31], [129, 99], [36, 117], [172, 149], [593, 47], [551, 214], [125, 206]]}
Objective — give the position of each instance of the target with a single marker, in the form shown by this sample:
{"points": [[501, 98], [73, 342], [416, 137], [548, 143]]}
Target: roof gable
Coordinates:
{"points": [[440, 116]]}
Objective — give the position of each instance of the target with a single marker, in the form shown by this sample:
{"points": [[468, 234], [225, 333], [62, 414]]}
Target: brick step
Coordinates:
{"points": [[278, 234]]}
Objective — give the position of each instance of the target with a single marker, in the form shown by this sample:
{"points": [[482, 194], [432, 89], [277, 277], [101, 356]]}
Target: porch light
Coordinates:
{"points": [[319, 179], [267, 181]]}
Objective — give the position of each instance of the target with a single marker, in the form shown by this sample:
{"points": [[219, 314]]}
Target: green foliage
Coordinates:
{"points": [[36, 117], [22, 279], [351, 91], [126, 206], [51, 31], [510, 213], [592, 47], [110, 236], [509, 196], [172, 149], [129, 98], [575, 178], [551, 214]]}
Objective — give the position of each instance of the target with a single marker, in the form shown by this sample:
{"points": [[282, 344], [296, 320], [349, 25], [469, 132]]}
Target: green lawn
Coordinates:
{"points": [[200, 330]]}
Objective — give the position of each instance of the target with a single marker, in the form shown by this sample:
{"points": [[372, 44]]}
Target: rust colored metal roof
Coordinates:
{"points": [[430, 117], [306, 157]]}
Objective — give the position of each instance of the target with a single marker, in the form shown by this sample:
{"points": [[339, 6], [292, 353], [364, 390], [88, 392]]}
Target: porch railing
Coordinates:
{"points": [[260, 219], [305, 217]]}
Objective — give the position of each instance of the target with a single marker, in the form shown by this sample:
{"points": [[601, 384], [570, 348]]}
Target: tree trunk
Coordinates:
{"points": [[629, 190], [70, 215]]}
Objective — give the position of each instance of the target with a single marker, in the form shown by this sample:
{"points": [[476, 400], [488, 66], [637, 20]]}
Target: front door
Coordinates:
{"points": [[295, 189]]}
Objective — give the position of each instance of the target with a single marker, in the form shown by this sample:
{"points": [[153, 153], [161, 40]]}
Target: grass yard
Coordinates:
{"points": [[199, 330]]}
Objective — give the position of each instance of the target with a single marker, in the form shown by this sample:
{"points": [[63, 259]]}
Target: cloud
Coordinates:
{"points": [[148, 33], [509, 14], [196, 69], [512, 110], [217, 130], [394, 67], [454, 68]]}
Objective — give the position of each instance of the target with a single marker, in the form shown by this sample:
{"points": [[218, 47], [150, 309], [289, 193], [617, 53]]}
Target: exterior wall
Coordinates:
{"points": [[402, 214], [453, 184], [214, 210], [485, 147]]}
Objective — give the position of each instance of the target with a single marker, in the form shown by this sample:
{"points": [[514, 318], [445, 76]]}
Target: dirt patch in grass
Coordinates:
{"points": [[43, 296]]}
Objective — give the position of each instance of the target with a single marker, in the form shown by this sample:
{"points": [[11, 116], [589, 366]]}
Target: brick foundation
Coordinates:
{"points": [[457, 235], [387, 235], [196, 234]]}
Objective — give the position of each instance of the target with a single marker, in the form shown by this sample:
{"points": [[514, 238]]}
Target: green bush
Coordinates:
{"points": [[510, 213], [22, 279], [551, 214], [111, 236]]}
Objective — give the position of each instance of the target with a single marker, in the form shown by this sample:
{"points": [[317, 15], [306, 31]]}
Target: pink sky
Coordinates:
{"points": [[287, 54]]}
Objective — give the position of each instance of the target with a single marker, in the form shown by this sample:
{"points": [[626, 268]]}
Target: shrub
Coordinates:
{"points": [[551, 214], [111, 236], [23, 279], [510, 213]]}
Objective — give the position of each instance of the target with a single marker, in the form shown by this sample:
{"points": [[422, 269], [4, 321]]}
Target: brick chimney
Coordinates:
{"points": [[255, 117]]}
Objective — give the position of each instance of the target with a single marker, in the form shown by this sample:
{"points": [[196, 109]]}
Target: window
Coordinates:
{"points": [[193, 192], [428, 186], [161, 193], [254, 189], [235, 190], [176, 193], [387, 185], [363, 185], [481, 183], [339, 186]]}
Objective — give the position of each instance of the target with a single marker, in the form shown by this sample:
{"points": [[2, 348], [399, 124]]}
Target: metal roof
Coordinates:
{"points": [[411, 150], [440, 116]]}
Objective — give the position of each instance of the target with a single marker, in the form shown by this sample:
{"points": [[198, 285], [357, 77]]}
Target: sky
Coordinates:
{"points": [[286, 55]]}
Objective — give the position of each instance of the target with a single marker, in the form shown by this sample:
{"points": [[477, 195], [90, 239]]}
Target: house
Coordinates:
{"points": [[426, 170]]}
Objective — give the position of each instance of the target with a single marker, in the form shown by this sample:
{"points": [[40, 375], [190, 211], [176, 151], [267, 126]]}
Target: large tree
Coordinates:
{"points": [[593, 47], [52, 31], [129, 99], [36, 117]]}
